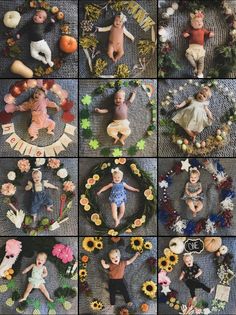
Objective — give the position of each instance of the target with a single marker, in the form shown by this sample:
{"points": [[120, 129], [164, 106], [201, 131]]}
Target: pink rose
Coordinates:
{"points": [[40, 83], [57, 249], [66, 255], [10, 108], [68, 186], [23, 165], [8, 189], [31, 83], [13, 247], [54, 163], [9, 99]]}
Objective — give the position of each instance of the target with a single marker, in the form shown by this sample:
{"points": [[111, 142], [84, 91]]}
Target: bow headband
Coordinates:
{"points": [[123, 18]]}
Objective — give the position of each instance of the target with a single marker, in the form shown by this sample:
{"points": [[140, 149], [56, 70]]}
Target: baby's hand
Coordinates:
{"points": [[137, 190], [137, 254], [212, 34], [178, 106], [97, 110], [186, 35], [58, 108], [98, 193]]}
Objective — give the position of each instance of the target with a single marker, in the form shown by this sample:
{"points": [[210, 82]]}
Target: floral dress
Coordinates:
{"points": [[118, 194], [36, 278], [193, 188]]}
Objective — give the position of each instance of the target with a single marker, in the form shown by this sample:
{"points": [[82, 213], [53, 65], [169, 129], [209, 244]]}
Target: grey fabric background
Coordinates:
{"points": [[214, 21], [139, 116], [52, 282], [70, 68], [135, 275], [131, 52], [219, 105], [149, 165], [70, 227], [211, 203], [209, 277], [22, 120]]}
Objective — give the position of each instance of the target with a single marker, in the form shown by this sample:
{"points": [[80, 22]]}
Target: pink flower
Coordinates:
{"points": [[10, 108], [9, 99], [57, 249], [54, 163], [24, 165], [40, 83], [8, 189], [13, 247], [68, 186], [66, 255], [31, 83]]}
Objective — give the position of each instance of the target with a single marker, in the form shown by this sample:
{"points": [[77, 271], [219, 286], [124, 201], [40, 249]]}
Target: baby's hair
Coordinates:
{"points": [[194, 171], [112, 251], [42, 10], [42, 254], [40, 90], [207, 90], [187, 255], [120, 92], [116, 170]]}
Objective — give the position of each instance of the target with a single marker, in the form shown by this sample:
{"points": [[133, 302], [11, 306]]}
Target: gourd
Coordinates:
{"points": [[177, 245], [19, 68], [11, 19], [212, 244]]}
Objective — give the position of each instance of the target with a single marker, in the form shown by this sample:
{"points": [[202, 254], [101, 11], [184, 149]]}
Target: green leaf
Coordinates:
{"points": [[85, 123], [84, 113], [141, 144], [86, 100], [117, 152], [132, 150], [105, 152], [94, 144], [87, 133]]}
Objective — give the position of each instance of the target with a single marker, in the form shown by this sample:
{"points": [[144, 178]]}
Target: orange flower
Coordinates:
{"points": [[11, 42], [144, 307], [138, 222], [33, 4], [124, 311], [115, 239], [84, 259]]}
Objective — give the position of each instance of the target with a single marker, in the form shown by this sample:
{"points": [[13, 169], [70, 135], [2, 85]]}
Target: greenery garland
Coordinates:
{"points": [[224, 58], [89, 206], [212, 142], [86, 124]]}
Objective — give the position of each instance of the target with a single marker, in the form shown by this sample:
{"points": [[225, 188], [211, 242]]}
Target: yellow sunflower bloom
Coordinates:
{"points": [[99, 244], [112, 232], [136, 243], [163, 263], [83, 273], [96, 305], [173, 258], [147, 245], [150, 289], [88, 244], [98, 238]]}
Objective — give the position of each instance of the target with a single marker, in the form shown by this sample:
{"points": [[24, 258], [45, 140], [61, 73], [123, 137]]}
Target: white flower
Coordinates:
{"points": [[175, 6], [221, 176], [210, 227], [163, 184], [227, 204], [179, 226], [206, 311], [11, 175], [62, 173], [40, 161]]}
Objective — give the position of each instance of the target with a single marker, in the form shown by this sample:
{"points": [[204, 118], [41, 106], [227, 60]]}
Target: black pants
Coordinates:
{"points": [[193, 284], [118, 285]]}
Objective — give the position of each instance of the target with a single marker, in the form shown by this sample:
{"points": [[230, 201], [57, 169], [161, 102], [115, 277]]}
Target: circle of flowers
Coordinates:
{"points": [[170, 216], [90, 208]]}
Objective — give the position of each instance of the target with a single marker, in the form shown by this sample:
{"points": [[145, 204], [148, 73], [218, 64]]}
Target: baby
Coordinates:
{"points": [[35, 29], [193, 192], [116, 37], [190, 273], [40, 119], [120, 124], [116, 276], [39, 197], [196, 34], [118, 194], [194, 117], [36, 281]]}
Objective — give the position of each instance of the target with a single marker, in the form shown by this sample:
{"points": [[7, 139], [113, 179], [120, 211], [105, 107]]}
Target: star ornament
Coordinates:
{"points": [[185, 165], [165, 289]]}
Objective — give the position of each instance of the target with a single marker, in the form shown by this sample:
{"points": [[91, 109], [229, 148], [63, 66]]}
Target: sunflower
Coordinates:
{"points": [[88, 244], [147, 245], [82, 273], [98, 238], [173, 258], [96, 305], [169, 268], [99, 245], [136, 243], [163, 263], [150, 289]]}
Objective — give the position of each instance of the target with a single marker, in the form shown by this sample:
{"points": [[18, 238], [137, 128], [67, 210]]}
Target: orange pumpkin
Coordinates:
{"points": [[68, 44], [91, 181], [144, 307], [212, 244], [84, 259], [138, 222], [122, 160]]}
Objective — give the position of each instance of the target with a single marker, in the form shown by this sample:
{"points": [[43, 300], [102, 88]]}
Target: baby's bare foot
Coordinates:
{"points": [[49, 209], [194, 214], [116, 140], [50, 132], [21, 300], [51, 300], [122, 141], [34, 138], [117, 222]]}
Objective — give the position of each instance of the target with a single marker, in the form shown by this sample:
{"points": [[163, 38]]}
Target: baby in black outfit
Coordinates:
{"points": [[36, 29], [190, 273]]}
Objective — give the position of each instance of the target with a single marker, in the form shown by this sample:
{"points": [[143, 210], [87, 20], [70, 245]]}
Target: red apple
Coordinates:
{"points": [[68, 44]]}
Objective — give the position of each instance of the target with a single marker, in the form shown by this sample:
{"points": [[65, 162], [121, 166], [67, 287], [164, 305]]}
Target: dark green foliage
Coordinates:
{"points": [[105, 152], [84, 113], [65, 292], [132, 150], [15, 295], [87, 133]]}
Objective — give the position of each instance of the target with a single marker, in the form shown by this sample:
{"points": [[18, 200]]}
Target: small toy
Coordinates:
{"points": [[118, 194]]}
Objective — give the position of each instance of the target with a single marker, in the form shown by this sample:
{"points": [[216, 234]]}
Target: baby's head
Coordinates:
{"points": [[41, 259], [119, 20], [188, 259], [114, 256], [39, 94], [117, 175], [204, 94], [194, 176], [197, 20], [37, 176], [119, 97], [40, 17]]}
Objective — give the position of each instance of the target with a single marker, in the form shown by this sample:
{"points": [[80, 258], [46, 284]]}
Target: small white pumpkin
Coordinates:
{"points": [[223, 250], [11, 19], [177, 245]]}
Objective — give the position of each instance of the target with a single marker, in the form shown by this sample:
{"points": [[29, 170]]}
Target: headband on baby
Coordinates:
{"points": [[197, 14], [194, 169], [113, 170], [36, 170], [123, 18]]}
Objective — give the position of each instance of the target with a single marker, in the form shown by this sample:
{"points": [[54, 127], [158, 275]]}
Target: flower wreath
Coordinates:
{"points": [[224, 185], [212, 142], [222, 258], [13, 50], [224, 59], [85, 122], [61, 256], [6, 115], [90, 208], [89, 42], [95, 245], [9, 189]]}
